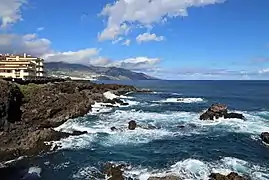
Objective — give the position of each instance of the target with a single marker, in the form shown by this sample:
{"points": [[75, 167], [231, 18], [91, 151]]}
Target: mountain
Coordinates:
{"points": [[79, 71]]}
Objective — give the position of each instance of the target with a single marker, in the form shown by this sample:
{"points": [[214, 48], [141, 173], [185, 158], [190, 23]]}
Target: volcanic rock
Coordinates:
{"points": [[265, 137], [114, 172], [77, 133], [132, 125], [234, 115], [10, 102], [219, 110], [231, 176], [29, 112]]}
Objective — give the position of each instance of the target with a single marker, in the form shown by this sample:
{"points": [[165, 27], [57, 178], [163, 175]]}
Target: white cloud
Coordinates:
{"points": [[117, 40], [122, 14], [127, 42], [10, 12], [83, 56], [29, 43], [264, 71], [113, 32], [148, 37], [137, 63], [40, 29], [41, 47]]}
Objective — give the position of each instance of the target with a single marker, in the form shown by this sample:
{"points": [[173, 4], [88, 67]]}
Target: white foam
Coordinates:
{"points": [[167, 123], [126, 97], [87, 173], [98, 108], [110, 95], [75, 142], [194, 169], [181, 100], [35, 170]]}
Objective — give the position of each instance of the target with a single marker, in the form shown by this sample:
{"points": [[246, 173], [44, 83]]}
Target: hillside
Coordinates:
{"points": [[79, 71]]}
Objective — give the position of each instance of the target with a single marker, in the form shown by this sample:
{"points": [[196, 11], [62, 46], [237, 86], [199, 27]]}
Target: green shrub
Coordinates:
{"points": [[29, 90]]}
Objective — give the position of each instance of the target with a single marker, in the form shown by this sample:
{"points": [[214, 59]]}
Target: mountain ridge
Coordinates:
{"points": [[80, 71]]}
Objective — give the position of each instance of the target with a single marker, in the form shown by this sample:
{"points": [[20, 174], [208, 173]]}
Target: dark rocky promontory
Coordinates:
{"points": [[28, 113]]}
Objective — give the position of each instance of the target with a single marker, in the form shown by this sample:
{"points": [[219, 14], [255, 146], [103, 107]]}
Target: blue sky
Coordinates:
{"points": [[171, 39]]}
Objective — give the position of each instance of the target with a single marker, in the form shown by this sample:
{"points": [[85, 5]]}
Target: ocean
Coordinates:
{"points": [[192, 152]]}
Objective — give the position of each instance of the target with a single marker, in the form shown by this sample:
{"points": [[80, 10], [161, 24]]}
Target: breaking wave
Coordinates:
{"points": [[181, 100], [194, 169]]}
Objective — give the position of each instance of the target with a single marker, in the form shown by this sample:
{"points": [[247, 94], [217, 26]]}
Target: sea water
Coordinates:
{"points": [[192, 152]]}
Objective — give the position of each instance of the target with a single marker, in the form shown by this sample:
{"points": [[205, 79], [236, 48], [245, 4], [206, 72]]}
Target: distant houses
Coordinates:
{"points": [[21, 66]]}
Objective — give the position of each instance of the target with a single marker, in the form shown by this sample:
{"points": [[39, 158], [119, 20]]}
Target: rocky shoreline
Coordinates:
{"points": [[28, 113]]}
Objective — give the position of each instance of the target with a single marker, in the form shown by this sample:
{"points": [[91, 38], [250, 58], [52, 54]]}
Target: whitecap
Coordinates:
{"points": [[35, 170], [88, 172], [75, 142], [182, 100], [194, 169], [110, 95]]}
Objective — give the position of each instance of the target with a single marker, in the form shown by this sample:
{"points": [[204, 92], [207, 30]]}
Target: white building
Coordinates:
{"points": [[26, 66]]}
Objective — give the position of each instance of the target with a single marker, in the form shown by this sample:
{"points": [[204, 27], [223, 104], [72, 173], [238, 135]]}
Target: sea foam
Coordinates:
{"points": [[194, 169], [182, 100]]}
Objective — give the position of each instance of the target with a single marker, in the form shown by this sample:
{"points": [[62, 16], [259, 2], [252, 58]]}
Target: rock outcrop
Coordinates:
{"points": [[10, 102], [114, 172], [231, 176], [265, 137], [217, 111], [29, 112], [132, 125]]}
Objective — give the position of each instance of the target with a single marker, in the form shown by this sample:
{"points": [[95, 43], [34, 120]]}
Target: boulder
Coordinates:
{"points": [[132, 125], [265, 137], [10, 102], [113, 128], [77, 133], [114, 172], [216, 111], [165, 178], [231, 176]]}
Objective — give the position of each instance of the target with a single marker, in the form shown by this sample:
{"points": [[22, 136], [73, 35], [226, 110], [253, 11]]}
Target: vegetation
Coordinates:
{"points": [[29, 90]]}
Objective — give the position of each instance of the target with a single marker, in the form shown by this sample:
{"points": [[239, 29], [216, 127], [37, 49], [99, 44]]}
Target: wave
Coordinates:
{"points": [[192, 169], [110, 95], [88, 173], [181, 100], [167, 125]]}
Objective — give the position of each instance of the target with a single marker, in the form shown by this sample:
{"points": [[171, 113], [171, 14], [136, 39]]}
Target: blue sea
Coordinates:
{"points": [[191, 152]]}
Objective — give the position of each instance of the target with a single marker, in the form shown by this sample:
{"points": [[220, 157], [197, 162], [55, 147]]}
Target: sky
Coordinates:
{"points": [[169, 39]]}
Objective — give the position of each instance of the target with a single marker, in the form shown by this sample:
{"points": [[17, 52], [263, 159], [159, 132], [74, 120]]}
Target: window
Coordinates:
{"points": [[9, 71]]}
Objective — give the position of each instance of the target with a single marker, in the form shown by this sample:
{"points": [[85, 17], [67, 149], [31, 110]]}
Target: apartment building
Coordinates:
{"points": [[23, 67]]}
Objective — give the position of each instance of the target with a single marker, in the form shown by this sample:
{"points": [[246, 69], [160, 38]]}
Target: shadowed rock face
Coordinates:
{"points": [[265, 137], [29, 112], [10, 102], [231, 176]]}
